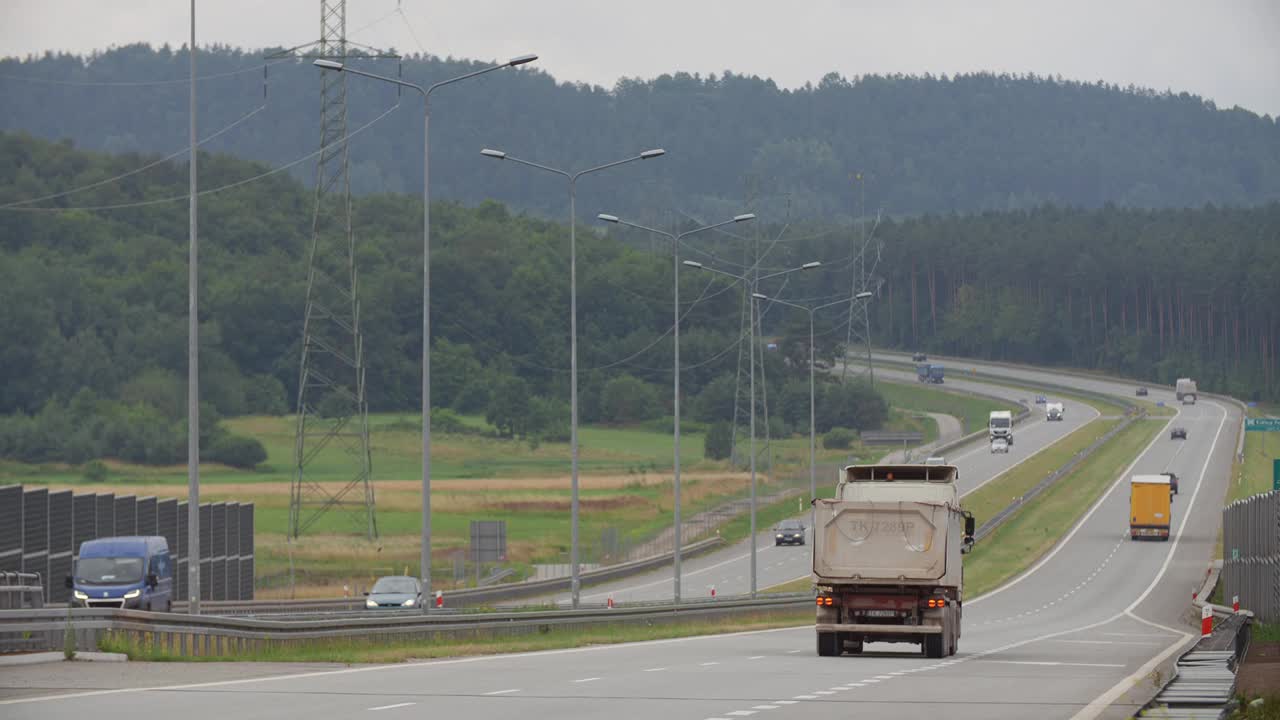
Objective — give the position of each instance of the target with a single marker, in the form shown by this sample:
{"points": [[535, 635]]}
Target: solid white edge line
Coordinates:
{"points": [[388, 707], [503, 692], [1079, 523], [1103, 701]]}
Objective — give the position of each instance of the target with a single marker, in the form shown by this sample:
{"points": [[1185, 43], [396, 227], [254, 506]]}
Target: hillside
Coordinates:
{"points": [[923, 144]]}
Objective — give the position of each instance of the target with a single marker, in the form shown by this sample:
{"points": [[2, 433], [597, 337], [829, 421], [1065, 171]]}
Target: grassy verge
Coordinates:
{"points": [[1253, 476], [971, 411], [804, 584], [1037, 527], [999, 492], [367, 651]]}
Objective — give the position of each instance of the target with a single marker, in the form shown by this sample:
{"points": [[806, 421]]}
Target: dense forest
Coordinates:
{"points": [[93, 304], [963, 143]]}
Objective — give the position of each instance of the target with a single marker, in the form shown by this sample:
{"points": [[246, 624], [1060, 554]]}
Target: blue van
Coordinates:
{"points": [[124, 572]]}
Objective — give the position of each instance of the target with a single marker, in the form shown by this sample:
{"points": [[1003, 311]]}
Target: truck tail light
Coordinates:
{"points": [[937, 602], [826, 600]]}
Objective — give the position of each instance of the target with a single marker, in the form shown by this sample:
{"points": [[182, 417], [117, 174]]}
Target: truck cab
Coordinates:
{"points": [[1186, 391], [1000, 426], [123, 572]]}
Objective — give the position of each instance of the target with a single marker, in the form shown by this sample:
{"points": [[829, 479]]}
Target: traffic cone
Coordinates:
{"points": [[609, 604], [1235, 603], [1206, 621], [439, 598]]}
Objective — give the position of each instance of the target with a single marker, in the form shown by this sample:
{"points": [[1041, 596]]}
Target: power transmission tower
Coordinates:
{"points": [[332, 407], [866, 251]]}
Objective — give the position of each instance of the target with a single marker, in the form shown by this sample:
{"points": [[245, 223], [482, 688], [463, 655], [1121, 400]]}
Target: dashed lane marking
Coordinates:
{"points": [[388, 707], [503, 692]]}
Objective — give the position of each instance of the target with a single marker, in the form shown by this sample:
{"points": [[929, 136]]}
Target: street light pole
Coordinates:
{"points": [[813, 477], [675, 368], [193, 362], [751, 288], [425, 555], [572, 179]]}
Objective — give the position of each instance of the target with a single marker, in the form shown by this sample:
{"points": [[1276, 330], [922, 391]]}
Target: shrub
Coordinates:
{"points": [[838, 439], [719, 441], [237, 451], [444, 420], [95, 471], [627, 399]]}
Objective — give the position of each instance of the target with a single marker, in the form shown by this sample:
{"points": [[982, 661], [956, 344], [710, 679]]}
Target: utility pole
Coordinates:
{"points": [[193, 358]]}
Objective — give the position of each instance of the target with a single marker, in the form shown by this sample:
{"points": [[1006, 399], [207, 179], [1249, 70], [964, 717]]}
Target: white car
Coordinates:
{"points": [[999, 445]]}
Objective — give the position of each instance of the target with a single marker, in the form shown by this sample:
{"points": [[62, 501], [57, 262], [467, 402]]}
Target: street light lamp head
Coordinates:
{"points": [[811, 265], [863, 295], [495, 154], [608, 218], [758, 296], [328, 65], [693, 264], [648, 154], [521, 60], [744, 217]]}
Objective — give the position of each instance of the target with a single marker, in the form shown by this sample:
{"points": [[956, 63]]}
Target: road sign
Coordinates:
{"points": [[1262, 424], [1275, 474], [1235, 553]]}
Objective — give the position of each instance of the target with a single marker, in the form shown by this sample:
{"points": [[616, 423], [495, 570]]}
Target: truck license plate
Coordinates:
{"points": [[882, 613]]}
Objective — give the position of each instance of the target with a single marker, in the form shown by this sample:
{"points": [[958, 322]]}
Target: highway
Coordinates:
{"points": [[1065, 640]]}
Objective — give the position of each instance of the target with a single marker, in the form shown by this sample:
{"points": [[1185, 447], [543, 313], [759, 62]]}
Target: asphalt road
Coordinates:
{"points": [[1065, 640]]}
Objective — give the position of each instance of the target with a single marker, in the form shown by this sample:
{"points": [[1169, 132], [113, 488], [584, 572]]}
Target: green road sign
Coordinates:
{"points": [[1275, 474], [1235, 553], [1262, 424]]}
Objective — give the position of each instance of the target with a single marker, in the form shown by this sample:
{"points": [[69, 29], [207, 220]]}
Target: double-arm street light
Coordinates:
{"points": [[572, 179], [752, 283], [813, 478], [425, 558], [675, 366]]}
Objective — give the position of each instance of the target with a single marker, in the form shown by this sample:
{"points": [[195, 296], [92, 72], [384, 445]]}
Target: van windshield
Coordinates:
{"points": [[1000, 422], [109, 571]]}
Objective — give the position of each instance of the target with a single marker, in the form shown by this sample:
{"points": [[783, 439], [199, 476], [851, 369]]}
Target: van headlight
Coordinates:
{"points": [[407, 603], [132, 594], [80, 596], [371, 603]]}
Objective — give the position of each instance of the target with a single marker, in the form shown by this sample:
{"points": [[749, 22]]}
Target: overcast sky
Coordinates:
{"points": [[1225, 50]]}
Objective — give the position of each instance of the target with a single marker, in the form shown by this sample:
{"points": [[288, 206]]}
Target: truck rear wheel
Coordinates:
{"points": [[828, 644]]}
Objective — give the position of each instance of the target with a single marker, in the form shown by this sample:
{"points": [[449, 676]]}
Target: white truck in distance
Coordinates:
{"points": [[1054, 411], [1186, 391], [886, 559], [1000, 425]]}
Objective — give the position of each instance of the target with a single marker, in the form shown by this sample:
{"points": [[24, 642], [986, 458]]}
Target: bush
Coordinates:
{"points": [[627, 399], [719, 441], [237, 451], [838, 439], [548, 419], [95, 471], [444, 420], [265, 395]]}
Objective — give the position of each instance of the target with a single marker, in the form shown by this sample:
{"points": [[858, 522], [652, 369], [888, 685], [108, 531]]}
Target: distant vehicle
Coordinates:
{"points": [[1054, 411], [919, 357], [1178, 433], [394, 591], [123, 572], [1150, 507], [1000, 425], [1000, 445], [1173, 482], [1140, 392], [1040, 400], [935, 460], [887, 562], [1186, 391], [789, 532]]}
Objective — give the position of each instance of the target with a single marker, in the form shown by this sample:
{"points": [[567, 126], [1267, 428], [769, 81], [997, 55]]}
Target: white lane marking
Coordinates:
{"points": [[503, 692], [402, 666], [854, 685], [708, 663], [823, 692], [1055, 664], [1103, 701], [793, 652], [897, 673], [756, 657], [784, 702], [1110, 642], [805, 697], [654, 669], [869, 680], [388, 707], [1124, 475], [741, 713], [590, 679], [884, 677], [1145, 635], [764, 707]]}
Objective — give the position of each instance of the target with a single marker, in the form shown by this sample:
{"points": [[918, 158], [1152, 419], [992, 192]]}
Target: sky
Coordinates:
{"points": [[1227, 51]]}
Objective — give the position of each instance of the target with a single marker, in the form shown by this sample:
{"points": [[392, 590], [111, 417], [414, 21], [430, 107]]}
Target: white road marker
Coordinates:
{"points": [[654, 669], [582, 680], [388, 707], [708, 663], [756, 657], [784, 702], [741, 713], [823, 692], [503, 692], [764, 707], [805, 697]]}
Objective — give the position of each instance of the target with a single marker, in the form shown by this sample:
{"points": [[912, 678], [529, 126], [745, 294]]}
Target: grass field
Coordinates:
{"points": [[972, 411], [1037, 527], [1260, 450]]}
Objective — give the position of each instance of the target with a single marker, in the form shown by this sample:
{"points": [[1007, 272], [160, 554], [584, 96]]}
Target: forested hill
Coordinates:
{"points": [[923, 144]]}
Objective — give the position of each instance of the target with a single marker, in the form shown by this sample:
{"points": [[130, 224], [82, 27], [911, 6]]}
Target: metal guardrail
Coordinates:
{"points": [[21, 590], [889, 437], [458, 598], [204, 635]]}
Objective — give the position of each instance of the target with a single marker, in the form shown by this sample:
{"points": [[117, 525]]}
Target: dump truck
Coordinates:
{"points": [[1054, 411], [1000, 425], [1186, 391], [887, 559], [1150, 507]]}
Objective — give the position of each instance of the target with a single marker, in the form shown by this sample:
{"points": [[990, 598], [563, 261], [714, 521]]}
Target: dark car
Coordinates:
{"points": [[919, 357], [394, 591], [1140, 392], [789, 532], [1173, 482], [1178, 433], [1040, 400]]}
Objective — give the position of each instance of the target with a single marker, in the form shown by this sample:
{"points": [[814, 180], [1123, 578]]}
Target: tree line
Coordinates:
{"points": [[962, 143]]}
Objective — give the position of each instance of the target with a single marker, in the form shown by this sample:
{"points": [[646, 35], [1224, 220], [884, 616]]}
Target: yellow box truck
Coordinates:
{"points": [[1150, 508]]}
